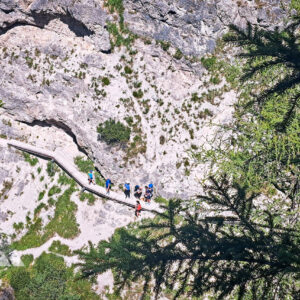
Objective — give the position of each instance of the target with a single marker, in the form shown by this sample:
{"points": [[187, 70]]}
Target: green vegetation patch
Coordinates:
{"points": [[115, 6], [165, 45], [65, 179], [209, 63], [85, 165], [7, 185], [52, 168], [295, 4], [113, 132], [90, 197], [178, 54], [41, 195], [58, 247], [30, 159], [105, 81], [219, 68], [54, 190], [127, 70], [137, 146], [18, 226], [138, 94], [119, 35], [161, 200], [27, 259], [48, 279], [38, 209], [63, 223]]}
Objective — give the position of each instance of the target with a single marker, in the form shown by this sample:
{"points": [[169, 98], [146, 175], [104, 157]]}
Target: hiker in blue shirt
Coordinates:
{"points": [[127, 190], [150, 189], [91, 177], [108, 185]]}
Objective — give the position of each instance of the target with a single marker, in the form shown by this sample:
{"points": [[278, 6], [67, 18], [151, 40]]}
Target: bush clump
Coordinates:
{"points": [[178, 54], [128, 70], [209, 63], [30, 159], [138, 94], [52, 168], [105, 81], [90, 197], [27, 259], [295, 5], [113, 132], [165, 45], [58, 247], [54, 190]]}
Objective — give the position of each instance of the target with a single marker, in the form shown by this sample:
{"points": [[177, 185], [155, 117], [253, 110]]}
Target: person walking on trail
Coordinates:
{"points": [[108, 185], [91, 177], [150, 189], [147, 196], [137, 192], [127, 190], [138, 208]]}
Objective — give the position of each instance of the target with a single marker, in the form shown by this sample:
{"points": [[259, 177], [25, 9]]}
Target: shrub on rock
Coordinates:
{"points": [[113, 132]]}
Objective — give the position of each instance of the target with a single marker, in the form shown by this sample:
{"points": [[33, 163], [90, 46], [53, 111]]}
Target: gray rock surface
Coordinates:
{"points": [[7, 293], [84, 18], [194, 26]]}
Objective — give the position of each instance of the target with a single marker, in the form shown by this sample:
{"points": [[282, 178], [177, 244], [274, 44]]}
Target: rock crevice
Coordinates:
{"points": [[57, 124]]}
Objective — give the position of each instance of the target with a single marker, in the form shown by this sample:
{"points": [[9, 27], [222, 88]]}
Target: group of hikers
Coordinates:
{"points": [[138, 192]]}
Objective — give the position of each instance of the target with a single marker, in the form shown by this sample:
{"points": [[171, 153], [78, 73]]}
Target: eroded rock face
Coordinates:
{"points": [[84, 19], [193, 26], [54, 55]]}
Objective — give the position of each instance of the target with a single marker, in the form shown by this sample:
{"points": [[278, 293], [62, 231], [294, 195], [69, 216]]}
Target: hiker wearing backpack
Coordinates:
{"points": [[137, 192]]}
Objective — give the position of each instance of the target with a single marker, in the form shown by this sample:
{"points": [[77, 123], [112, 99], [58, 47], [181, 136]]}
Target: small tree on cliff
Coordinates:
{"points": [[113, 132]]}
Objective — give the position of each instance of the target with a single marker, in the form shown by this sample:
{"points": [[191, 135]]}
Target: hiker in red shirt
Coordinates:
{"points": [[138, 209]]}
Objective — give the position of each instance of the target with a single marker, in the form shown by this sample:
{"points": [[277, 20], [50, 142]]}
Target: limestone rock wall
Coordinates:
{"points": [[193, 26]]}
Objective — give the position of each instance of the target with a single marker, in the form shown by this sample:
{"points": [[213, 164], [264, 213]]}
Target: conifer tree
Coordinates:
{"points": [[277, 50], [191, 256]]}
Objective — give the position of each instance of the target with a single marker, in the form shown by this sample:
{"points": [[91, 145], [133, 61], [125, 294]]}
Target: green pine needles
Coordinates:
{"points": [[182, 255], [273, 61]]}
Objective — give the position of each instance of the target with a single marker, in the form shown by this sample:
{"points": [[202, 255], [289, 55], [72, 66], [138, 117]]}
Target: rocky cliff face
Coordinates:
{"points": [[193, 26], [55, 54]]}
